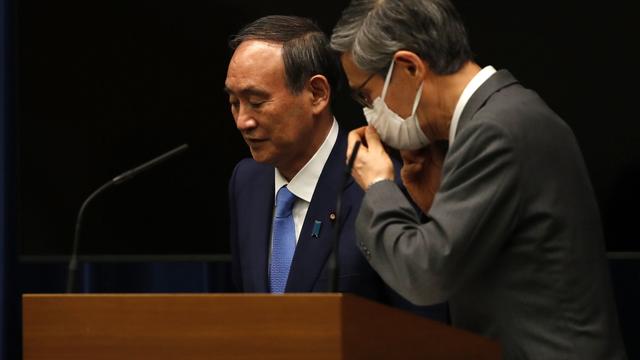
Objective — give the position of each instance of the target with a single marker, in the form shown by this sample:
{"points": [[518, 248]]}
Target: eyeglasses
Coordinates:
{"points": [[360, 97]]}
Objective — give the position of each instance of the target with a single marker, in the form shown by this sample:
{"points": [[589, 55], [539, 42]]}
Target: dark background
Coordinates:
{"points": [[94, 88], [105, 85]]}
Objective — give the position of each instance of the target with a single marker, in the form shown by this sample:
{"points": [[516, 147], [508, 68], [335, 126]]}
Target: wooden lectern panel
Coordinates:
{"points": [[407, 336], [235, 326]]}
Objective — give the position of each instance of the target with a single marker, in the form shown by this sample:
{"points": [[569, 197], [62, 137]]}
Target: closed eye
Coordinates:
{"points": [[256, 104], [234, 102]]}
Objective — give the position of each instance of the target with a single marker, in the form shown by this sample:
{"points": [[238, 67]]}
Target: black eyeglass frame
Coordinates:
{"points": [[357, 95]]}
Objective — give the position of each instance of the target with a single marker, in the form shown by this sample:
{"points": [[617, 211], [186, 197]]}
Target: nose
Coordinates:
{"points": [[244, 119]]}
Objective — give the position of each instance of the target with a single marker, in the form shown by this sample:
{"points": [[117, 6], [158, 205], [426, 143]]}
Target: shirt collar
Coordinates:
{"points": [[304, 182], [468, 91]]}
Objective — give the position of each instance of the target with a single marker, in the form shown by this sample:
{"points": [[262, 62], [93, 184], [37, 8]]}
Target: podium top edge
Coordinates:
{"points": [[182, 295]]}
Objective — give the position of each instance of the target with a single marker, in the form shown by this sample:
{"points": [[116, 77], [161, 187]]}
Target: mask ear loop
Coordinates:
{"points": [[421, 135], [417, 99], [387, 80], [385, 87]]}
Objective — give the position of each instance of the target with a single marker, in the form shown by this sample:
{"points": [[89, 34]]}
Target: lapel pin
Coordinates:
{"points": [[317, 224], [332, 215]]}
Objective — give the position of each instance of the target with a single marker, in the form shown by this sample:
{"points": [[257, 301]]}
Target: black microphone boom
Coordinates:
{"points": [[333, 265], [127, 175]]}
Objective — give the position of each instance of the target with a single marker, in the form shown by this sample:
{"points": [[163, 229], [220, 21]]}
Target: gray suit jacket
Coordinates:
{"points": [[513, 240]]}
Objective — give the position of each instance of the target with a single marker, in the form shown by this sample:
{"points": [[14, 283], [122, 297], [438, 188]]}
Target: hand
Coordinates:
{"points": [[422, 172], [372, 163]]}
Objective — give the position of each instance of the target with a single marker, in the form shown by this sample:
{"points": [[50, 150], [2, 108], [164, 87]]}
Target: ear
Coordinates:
{"points": [[411, 64], [320, 93]]}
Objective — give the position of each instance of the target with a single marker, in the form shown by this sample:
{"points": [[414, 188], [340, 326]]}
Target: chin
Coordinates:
{"points": [[262, 157]]}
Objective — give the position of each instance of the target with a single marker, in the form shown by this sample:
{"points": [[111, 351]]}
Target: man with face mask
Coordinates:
{"points": [[511, 235]]}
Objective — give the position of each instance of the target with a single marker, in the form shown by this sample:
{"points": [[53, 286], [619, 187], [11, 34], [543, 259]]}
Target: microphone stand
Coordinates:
{"points": [[333, 265], [73, 261]]}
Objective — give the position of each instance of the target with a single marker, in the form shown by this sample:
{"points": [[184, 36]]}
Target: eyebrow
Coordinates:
{"points": [[248, 91]]}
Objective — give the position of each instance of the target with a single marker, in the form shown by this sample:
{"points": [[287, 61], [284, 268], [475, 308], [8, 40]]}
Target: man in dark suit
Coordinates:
{"points": [[512, 237], [279, 83]]}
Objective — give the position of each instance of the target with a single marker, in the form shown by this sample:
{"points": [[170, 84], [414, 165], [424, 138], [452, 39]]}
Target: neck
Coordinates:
{"points": [[443, 94], [319, 132]]}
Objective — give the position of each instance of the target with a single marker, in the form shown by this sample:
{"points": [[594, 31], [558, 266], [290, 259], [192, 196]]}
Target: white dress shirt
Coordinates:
{"points": [[304, 182], [471, 88]]}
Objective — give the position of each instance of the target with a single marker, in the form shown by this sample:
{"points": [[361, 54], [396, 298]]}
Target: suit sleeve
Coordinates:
{"points": [[471, 218], [233, 234]]}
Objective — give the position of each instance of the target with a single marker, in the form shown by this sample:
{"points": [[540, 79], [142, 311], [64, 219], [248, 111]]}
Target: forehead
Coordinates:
{"points": [[255, 64]]}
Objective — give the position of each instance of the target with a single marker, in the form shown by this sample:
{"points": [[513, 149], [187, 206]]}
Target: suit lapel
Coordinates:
{"points": [[260, 213], [312, 252]]}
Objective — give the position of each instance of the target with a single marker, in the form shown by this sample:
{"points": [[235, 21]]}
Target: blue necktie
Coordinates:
{"points": [[284, 240]]}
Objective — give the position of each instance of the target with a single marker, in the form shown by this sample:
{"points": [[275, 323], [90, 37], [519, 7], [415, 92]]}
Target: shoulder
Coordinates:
{"points": [[248, 170], [512, 117], [521, 112]]}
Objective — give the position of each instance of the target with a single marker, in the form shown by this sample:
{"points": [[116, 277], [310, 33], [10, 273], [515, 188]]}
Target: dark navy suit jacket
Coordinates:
{"points": [[251, 197]]}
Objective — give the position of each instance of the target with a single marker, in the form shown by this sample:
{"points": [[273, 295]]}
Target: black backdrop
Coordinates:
{"points": [[105, 85]]}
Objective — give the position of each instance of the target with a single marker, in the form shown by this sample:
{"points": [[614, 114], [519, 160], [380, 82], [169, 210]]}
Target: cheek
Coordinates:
{"points": [[374, 94], [285, 131], [400, 103], [292, 128]]}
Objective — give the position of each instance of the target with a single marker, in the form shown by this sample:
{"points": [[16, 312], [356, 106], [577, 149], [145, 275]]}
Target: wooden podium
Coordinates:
{"points": [[236, 326]]}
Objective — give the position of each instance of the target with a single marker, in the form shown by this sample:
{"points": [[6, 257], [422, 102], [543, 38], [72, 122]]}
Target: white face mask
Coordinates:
{"points": [[399, 133]]}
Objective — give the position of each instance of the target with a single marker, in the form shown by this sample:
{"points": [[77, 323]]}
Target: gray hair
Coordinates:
{"points": [[373, 30]]}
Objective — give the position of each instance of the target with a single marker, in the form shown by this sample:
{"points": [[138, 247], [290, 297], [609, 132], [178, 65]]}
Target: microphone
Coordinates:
{"points": [[125, 176], [333, 266]]}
